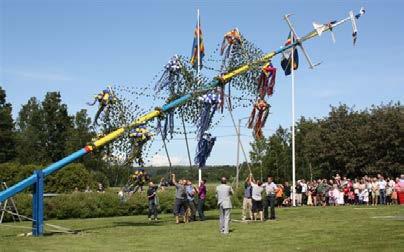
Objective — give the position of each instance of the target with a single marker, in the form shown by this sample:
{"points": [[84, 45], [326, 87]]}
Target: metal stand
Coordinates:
{"points": [[37, 203], [5, 208]]}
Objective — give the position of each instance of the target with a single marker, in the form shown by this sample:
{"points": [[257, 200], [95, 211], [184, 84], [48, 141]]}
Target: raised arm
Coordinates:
{"points": [[173, 179]]}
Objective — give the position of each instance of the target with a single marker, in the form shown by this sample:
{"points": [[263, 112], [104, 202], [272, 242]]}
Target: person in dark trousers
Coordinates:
{"points": [[201, 199], [152, 197], [270, 189]]}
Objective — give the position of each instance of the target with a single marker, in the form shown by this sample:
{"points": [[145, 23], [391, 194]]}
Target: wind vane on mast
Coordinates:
{"points": [[320, 28]]}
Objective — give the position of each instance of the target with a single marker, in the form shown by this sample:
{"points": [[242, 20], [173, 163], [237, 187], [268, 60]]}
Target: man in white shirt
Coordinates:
{"points": [[270, 189], [382, 189]]}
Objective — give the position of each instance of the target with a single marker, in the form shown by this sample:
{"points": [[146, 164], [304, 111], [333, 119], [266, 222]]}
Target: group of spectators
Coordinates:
{"points": [[338, 191]]}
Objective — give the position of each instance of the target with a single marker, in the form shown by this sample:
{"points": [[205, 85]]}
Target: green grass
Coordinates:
{"points": [[305, 229]]}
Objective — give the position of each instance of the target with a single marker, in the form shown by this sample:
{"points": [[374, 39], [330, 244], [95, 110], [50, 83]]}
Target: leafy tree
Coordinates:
{"points": [[56, 125], [7, 143], [30, 134]]}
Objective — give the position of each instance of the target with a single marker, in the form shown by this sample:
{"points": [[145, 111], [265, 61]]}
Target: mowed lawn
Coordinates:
{"points": [[303, 229]]}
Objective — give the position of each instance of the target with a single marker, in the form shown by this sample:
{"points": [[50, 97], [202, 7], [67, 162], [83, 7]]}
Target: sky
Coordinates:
{"points": [[78, 47]]}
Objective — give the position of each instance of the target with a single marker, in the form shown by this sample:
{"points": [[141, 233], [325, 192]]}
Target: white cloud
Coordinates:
{"points": [[161, 160]]}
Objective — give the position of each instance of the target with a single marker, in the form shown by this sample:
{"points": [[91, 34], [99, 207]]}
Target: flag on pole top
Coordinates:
{"points": [[195, 46], [286, 57]]}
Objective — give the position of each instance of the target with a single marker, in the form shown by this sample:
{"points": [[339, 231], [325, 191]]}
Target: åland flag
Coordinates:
{"points": [[286, 57], [195, 53]]}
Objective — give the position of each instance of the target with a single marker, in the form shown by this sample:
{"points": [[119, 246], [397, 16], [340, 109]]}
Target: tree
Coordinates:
{"points": [[56, 125], [7, 143], [30, 134]]}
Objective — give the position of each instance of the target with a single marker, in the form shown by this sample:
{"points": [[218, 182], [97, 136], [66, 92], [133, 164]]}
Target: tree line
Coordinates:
{"points": [[346, 141], [349, 142]]}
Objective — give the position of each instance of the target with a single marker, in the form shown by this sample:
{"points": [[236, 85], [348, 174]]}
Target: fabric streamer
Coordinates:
{"points": [[258, 117], [266, 80], [139, 136], [230, 39], [210, 103], [168, 127], [172, 71], [204, 148], [104, 99]]}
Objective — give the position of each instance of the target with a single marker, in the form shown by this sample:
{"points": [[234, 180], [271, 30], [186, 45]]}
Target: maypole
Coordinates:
{"points": [[38, 177]]}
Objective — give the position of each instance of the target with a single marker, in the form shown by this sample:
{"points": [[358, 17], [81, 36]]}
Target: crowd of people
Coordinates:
{"points": [[261, 198], [341, 191]]}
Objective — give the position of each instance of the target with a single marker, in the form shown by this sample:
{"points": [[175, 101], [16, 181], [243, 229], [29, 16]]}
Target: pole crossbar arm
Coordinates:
{"points": [[216, 82]]}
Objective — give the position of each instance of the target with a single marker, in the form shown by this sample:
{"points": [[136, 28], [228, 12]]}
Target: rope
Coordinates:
{"points": [[61, 229], [237, 132], [186, 141]]}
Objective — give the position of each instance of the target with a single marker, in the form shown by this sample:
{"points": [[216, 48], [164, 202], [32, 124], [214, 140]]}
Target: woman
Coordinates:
{"points": [[256, 195], [375, 192]]}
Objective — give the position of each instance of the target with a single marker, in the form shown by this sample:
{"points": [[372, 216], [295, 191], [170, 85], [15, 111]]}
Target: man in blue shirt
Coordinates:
{"points": [[191, 207]]}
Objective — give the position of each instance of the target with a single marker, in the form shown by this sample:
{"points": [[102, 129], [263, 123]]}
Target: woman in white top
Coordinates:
{"points": [[256, 195]]}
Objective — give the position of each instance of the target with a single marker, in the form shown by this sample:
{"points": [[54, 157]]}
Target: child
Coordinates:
{"points": [[351, 197], [309, 198], [340, 199], [366, 197], [394, 197]]}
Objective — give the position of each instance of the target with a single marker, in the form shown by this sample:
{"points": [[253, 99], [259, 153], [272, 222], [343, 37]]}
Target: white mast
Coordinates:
{"points": [[293, 123], [198, 77]]}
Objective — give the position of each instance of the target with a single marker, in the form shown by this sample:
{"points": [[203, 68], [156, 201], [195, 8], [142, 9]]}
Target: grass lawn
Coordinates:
{"points": [[305, 229]]}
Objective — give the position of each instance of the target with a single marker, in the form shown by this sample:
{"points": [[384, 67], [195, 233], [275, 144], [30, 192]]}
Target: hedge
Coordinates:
{"points": [[95, 205], [63, 181]]}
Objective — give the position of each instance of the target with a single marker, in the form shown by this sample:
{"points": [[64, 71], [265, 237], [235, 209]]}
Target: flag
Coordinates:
{"points": [[286, 57], [194, 55]]}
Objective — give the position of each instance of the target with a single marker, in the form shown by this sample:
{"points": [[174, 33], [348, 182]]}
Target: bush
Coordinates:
{"points": [[65, 180], [95, 205]]}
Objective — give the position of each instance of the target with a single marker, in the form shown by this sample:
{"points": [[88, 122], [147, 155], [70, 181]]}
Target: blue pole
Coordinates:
{"points": [[37, 203], [12, 190]]}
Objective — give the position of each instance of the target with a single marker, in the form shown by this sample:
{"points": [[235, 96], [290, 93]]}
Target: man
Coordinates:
{"points": [[298, 193], [223, 194], [201, 199], [382, 190], [180, 199], [191, 208], [152, 197], [270, 189], [286, 191], [247, 201]]}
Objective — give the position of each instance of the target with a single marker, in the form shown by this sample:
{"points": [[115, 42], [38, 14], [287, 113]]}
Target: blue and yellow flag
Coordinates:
{"points": [[194, 55]]}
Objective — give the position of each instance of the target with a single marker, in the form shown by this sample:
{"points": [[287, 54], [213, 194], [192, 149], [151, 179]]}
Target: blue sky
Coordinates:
{"points": [[78, 47]]}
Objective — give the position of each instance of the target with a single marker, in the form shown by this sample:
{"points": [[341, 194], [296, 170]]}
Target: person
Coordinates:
{"points": [[223, 194], [375, 192], [270, 189], [298, 193], [304, 192], [152, 199], [100, 188], [256, 195], [286, 190], [394, 197], [180, 199], [88, 189], [201, 199], [400, 189], [382, 190], [247, 200], [279, 196], [191, 208]]}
